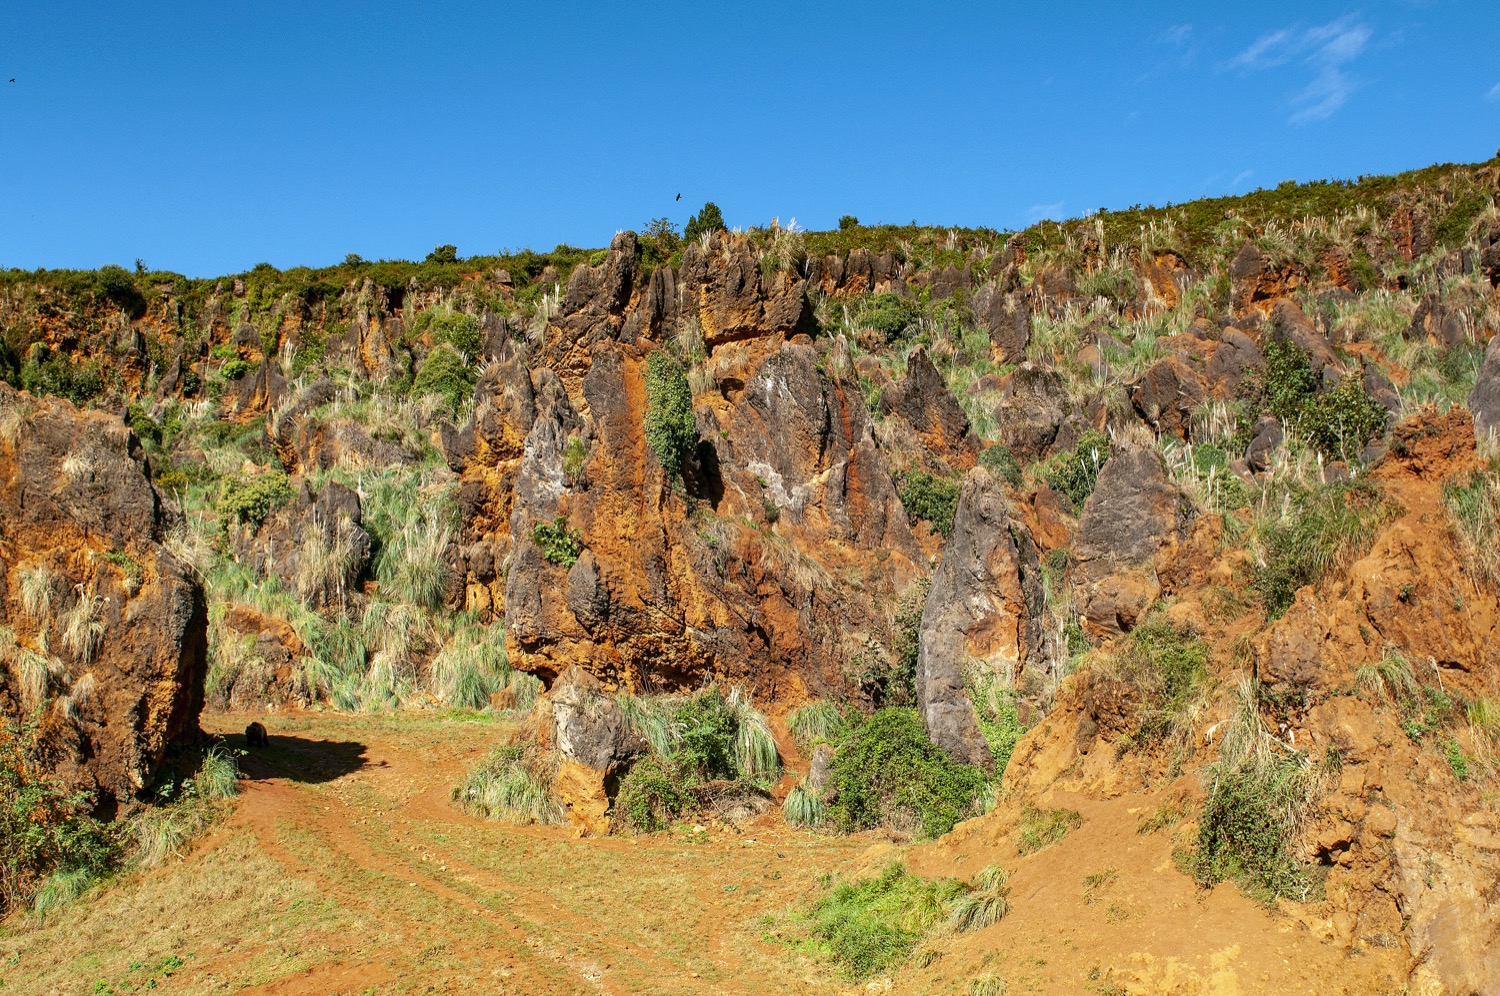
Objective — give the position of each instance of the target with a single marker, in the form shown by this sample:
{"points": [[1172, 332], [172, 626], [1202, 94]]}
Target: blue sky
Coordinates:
{"points": [[207, 137]]}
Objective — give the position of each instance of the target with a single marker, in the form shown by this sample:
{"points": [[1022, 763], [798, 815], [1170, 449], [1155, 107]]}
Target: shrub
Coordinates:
{"points": [[1074, 474], [506, 787], [44, 829], [871, 926], [116, 283], [445, 374], [235, 369], [650, 797], [710, 219], [671, 430], [1000, 460], [252, 500], [999, 719], [887, 771], [928, 497], [446, 253], [559, 544], [1169, 667], [1336, 423], [56, 374], [1041, 828], [1259, 795], [1316, 529], [462, 332], [896, 318], [847, 221]]}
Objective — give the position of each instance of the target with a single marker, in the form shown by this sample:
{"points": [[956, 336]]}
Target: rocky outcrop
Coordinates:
{"points": [[983, 616], [102, 630], [1484, 402], [663, 594], [923, 401], [1134, 510]]}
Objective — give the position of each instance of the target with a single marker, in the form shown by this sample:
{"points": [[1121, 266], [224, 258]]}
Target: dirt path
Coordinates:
{"points": [[353, 874]]}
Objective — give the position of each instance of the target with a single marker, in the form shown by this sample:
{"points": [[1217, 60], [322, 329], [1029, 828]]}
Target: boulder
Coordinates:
{"points": [[1134, 510], [984, 612], [595, 744]]}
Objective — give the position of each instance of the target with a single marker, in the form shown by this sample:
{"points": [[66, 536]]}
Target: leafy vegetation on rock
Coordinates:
{"points": [[671, 430]]}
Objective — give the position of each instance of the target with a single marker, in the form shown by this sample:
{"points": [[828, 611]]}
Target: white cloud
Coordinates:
{"points": [[1325, 49], [1039, 211], [1177, 34], [1494, 93]]}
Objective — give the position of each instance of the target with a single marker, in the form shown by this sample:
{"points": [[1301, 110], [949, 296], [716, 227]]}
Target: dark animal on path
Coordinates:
{"points": [[255, 736]]}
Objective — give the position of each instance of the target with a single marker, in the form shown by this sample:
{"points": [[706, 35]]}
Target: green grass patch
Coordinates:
{"points": [[1041, 828]]}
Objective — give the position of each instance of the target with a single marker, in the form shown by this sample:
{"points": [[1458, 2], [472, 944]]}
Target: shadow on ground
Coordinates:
{"points": [[300, 759]]}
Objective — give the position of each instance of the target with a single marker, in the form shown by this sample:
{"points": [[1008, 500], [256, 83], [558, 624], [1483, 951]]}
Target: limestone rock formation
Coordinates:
{"points": [[102, 630]]}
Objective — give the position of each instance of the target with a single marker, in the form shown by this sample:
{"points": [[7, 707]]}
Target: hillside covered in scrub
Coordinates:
{"points": [[1166, 540]]}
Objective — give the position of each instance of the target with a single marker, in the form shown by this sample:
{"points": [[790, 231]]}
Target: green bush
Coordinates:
{"points": [[888, 772], [1074, 474], [1320, 528], [847, 221], [929, 497], [871, 926], [445, 374], [462, 332], [235, 369], [999, 720], [1337, 423], [56, 374], [251, 500], [44, 829], [117, 284], [1000, 460], [651, 797], [443, 254], [671, 430], [710, 219], [559, 544], [893, 316]]}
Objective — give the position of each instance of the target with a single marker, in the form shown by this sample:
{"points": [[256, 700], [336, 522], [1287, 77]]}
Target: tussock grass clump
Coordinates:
{"points": [[1473, 509], [37, 587], [1041, 828], [1260, 793], [817, 722], [1390, 677], [986, 903], [888, 772], [82, 629], [870, 926], [694, 740], [218, 776], [508, 786], [472, 666], [1309, 532], [803, 807]]}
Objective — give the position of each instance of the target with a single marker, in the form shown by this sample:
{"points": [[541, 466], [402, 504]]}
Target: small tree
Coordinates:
{"points": [[710, 219], [443, 254], [671, 430], [847, 222]]}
